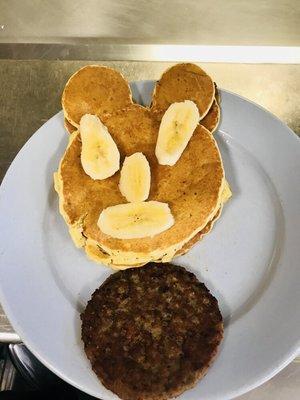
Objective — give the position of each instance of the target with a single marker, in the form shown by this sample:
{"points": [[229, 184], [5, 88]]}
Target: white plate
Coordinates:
{"points": [[250, 261]]}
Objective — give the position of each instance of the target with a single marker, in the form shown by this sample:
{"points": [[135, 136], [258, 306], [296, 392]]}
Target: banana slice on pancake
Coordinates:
{"points": [[135, 220], [135, 178], [100, 157], [176, 129]]}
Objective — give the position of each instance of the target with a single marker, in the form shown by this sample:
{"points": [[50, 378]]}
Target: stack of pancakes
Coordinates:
{"points": [[194, 188]]}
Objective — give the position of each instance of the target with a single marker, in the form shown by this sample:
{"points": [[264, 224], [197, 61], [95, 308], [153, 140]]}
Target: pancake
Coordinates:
{"points": [[69, 127], [95, 253], [226, 195], [192, 188], [151, 333], [94, 89], [199, 236], [102, 91], [184, 82], [212, 118]]}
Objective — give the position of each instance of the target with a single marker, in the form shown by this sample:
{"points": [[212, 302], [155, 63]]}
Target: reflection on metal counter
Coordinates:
{"points": [[256, 23]]}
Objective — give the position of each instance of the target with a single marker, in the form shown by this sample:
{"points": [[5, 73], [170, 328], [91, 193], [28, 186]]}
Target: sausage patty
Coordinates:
{"points": [[151, 332]]}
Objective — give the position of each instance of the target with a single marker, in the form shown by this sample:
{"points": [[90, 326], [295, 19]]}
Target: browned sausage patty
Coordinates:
{"points": [[151, 332]]}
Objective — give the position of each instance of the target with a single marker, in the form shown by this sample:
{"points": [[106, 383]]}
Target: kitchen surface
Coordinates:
{"points": [[253, 52], [233, 23]]}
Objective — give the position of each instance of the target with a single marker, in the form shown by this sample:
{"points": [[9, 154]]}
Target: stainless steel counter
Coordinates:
{"points": [[31, 90], [218, 22]]}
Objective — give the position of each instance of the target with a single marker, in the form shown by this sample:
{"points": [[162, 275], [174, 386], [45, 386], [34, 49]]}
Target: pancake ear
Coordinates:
{"points": [[184, 82], [69, 127], [212, 118], [94, 90]]}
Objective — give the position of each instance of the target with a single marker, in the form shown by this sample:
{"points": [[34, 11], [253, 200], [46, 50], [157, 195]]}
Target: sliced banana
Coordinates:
{"points": [[100, 157], [135, 178], [135, 220], [176, 128]]}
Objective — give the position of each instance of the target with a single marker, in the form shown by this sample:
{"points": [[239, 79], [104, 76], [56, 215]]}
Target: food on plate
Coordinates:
{"points": [[94, 89], [176, 128], [184, 82], [194, 188], [151, 332], [100, 157], [69, 127], [135, 220], [199, 236], [135, 178], [212, 118]]}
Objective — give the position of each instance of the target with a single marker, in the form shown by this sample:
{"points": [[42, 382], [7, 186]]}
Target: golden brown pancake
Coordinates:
{"points": [[96, 254], [212, 118], [69, 127], [94, 89], [192, 187], [184, 82], [187, 246]]}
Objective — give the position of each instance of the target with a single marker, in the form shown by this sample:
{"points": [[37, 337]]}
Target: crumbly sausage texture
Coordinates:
{"points": [[151, 332]]}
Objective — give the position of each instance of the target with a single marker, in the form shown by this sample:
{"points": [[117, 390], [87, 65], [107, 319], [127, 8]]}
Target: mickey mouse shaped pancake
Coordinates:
{"points": [[140, 184]]}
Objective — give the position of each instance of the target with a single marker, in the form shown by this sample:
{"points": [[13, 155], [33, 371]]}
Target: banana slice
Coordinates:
{"points": [[135, 220], [135, 178], [176, 129], [100, 157]]}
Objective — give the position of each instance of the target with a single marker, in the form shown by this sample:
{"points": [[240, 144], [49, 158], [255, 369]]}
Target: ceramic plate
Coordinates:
{"points": [[250, 260]]}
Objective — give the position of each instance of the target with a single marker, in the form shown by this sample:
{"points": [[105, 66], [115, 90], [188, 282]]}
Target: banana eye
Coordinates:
{"points": [[100, 157], [176, 129]]}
